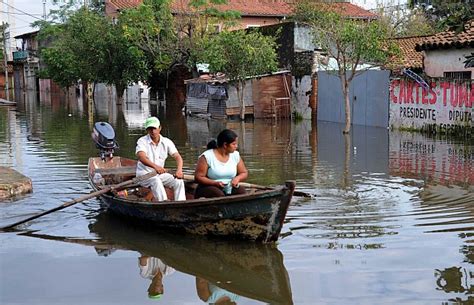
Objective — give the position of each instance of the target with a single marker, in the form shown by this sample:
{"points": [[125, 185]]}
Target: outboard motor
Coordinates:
{"points": [[104, 137]]}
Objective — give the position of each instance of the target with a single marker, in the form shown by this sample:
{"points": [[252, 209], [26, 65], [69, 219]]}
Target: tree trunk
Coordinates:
{"points": [[119, 90], [345, 92], [240, 94], [346, 181], [153, 94]]}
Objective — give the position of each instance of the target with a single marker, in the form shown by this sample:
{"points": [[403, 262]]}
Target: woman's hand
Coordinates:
{"points": [[219, 184], [235, 182]]}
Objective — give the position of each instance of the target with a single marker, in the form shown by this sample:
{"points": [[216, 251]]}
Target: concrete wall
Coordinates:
{"points": [[300, 93], [303, 38], [437, 62], [446, 104]]}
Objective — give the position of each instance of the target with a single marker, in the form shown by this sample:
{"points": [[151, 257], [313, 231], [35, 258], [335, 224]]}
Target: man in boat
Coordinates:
{"points": [[152, 151], [154, 269]]}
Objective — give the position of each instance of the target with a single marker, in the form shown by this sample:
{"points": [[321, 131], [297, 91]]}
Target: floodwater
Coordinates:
{"points": [[391, 221]]}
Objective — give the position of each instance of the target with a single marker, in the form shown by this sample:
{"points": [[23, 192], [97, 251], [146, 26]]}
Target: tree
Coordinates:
{"points": [[239, 54], [149, 27], [355, 45], [403, 22], [88, 47], [446, 14], [167, 41], [202, 18]]}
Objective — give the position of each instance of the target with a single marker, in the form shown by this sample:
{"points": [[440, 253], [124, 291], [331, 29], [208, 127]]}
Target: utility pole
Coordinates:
{"points": [[44, 9], [5, 57]]}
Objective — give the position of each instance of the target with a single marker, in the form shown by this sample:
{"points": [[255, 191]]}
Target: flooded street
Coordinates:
{"points": [[391, 221]]}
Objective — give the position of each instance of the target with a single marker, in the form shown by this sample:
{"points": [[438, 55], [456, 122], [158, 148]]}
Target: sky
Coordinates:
{"points": [[22, 13]]}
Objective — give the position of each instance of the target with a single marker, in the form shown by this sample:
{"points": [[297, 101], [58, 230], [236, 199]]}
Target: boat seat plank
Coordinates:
{"points": [[122, 171]]}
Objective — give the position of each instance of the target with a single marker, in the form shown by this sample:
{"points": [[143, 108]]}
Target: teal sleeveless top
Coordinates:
{"points": [[222, 171]]}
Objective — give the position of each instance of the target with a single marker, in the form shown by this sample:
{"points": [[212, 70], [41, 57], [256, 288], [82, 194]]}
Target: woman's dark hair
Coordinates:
{"points": [[225, 136]]}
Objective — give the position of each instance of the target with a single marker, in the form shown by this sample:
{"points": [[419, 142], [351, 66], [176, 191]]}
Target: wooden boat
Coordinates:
{"points": [[257, 215]]}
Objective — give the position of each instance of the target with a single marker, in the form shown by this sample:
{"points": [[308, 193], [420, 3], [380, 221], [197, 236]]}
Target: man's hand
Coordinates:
{"points": [[179, 174], [160, 170]]}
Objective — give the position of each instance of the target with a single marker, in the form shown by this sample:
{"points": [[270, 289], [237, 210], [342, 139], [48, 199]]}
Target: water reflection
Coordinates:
{"points": [[154, 269], [241, 268], [224, 271], [456, 280]]}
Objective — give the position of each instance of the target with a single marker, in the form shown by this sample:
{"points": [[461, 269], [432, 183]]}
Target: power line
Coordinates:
{"points": [[13, 13], [21, 10], [17, 18]]}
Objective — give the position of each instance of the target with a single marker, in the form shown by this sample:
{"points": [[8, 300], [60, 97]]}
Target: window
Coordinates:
{"points": [[458, 75]]}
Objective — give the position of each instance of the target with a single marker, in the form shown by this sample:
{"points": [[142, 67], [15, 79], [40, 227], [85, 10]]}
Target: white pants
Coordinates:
{"points": [[158, 182]]}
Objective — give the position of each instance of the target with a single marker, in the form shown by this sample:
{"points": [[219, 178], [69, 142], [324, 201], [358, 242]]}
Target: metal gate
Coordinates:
{"points": [[368, 94]]}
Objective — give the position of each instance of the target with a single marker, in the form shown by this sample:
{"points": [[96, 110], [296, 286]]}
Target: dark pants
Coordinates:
{"points": [[209, 191]]}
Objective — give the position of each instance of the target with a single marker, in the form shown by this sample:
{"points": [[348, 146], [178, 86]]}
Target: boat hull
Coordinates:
{"points": [[256, 216]]}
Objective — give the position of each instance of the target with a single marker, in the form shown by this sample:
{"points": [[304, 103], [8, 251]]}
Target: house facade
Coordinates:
{"points": [[440, 99], [445, 53], [26, 62]]}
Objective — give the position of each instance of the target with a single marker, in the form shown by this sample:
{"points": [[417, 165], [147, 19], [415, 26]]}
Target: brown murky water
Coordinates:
{"points": [[392, 221]]}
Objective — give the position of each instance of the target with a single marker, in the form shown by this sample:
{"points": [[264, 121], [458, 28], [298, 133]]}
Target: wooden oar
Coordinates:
{"points": [[261, 187], [80, 199]]}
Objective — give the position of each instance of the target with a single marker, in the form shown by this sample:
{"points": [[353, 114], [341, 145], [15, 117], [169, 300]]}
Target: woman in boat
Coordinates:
{"points": [[220, 168]]}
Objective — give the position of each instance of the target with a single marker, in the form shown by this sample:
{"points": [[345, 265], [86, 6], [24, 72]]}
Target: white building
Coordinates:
{"points": [[373, 4]]}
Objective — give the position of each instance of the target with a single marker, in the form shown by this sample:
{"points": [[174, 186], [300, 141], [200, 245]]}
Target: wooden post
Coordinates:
{"points": [[5, 57]]}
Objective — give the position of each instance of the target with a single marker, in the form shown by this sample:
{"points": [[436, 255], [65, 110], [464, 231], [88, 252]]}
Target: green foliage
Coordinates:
{"points": [[239, 54], [446, 14], [402, 23], [203, 18], [149, 27], [88, 47]]}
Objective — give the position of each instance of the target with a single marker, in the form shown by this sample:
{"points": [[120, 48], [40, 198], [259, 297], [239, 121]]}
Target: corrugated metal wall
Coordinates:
{"points": [[196, 105], [268, 89], [369, 96], [217, 108]]}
